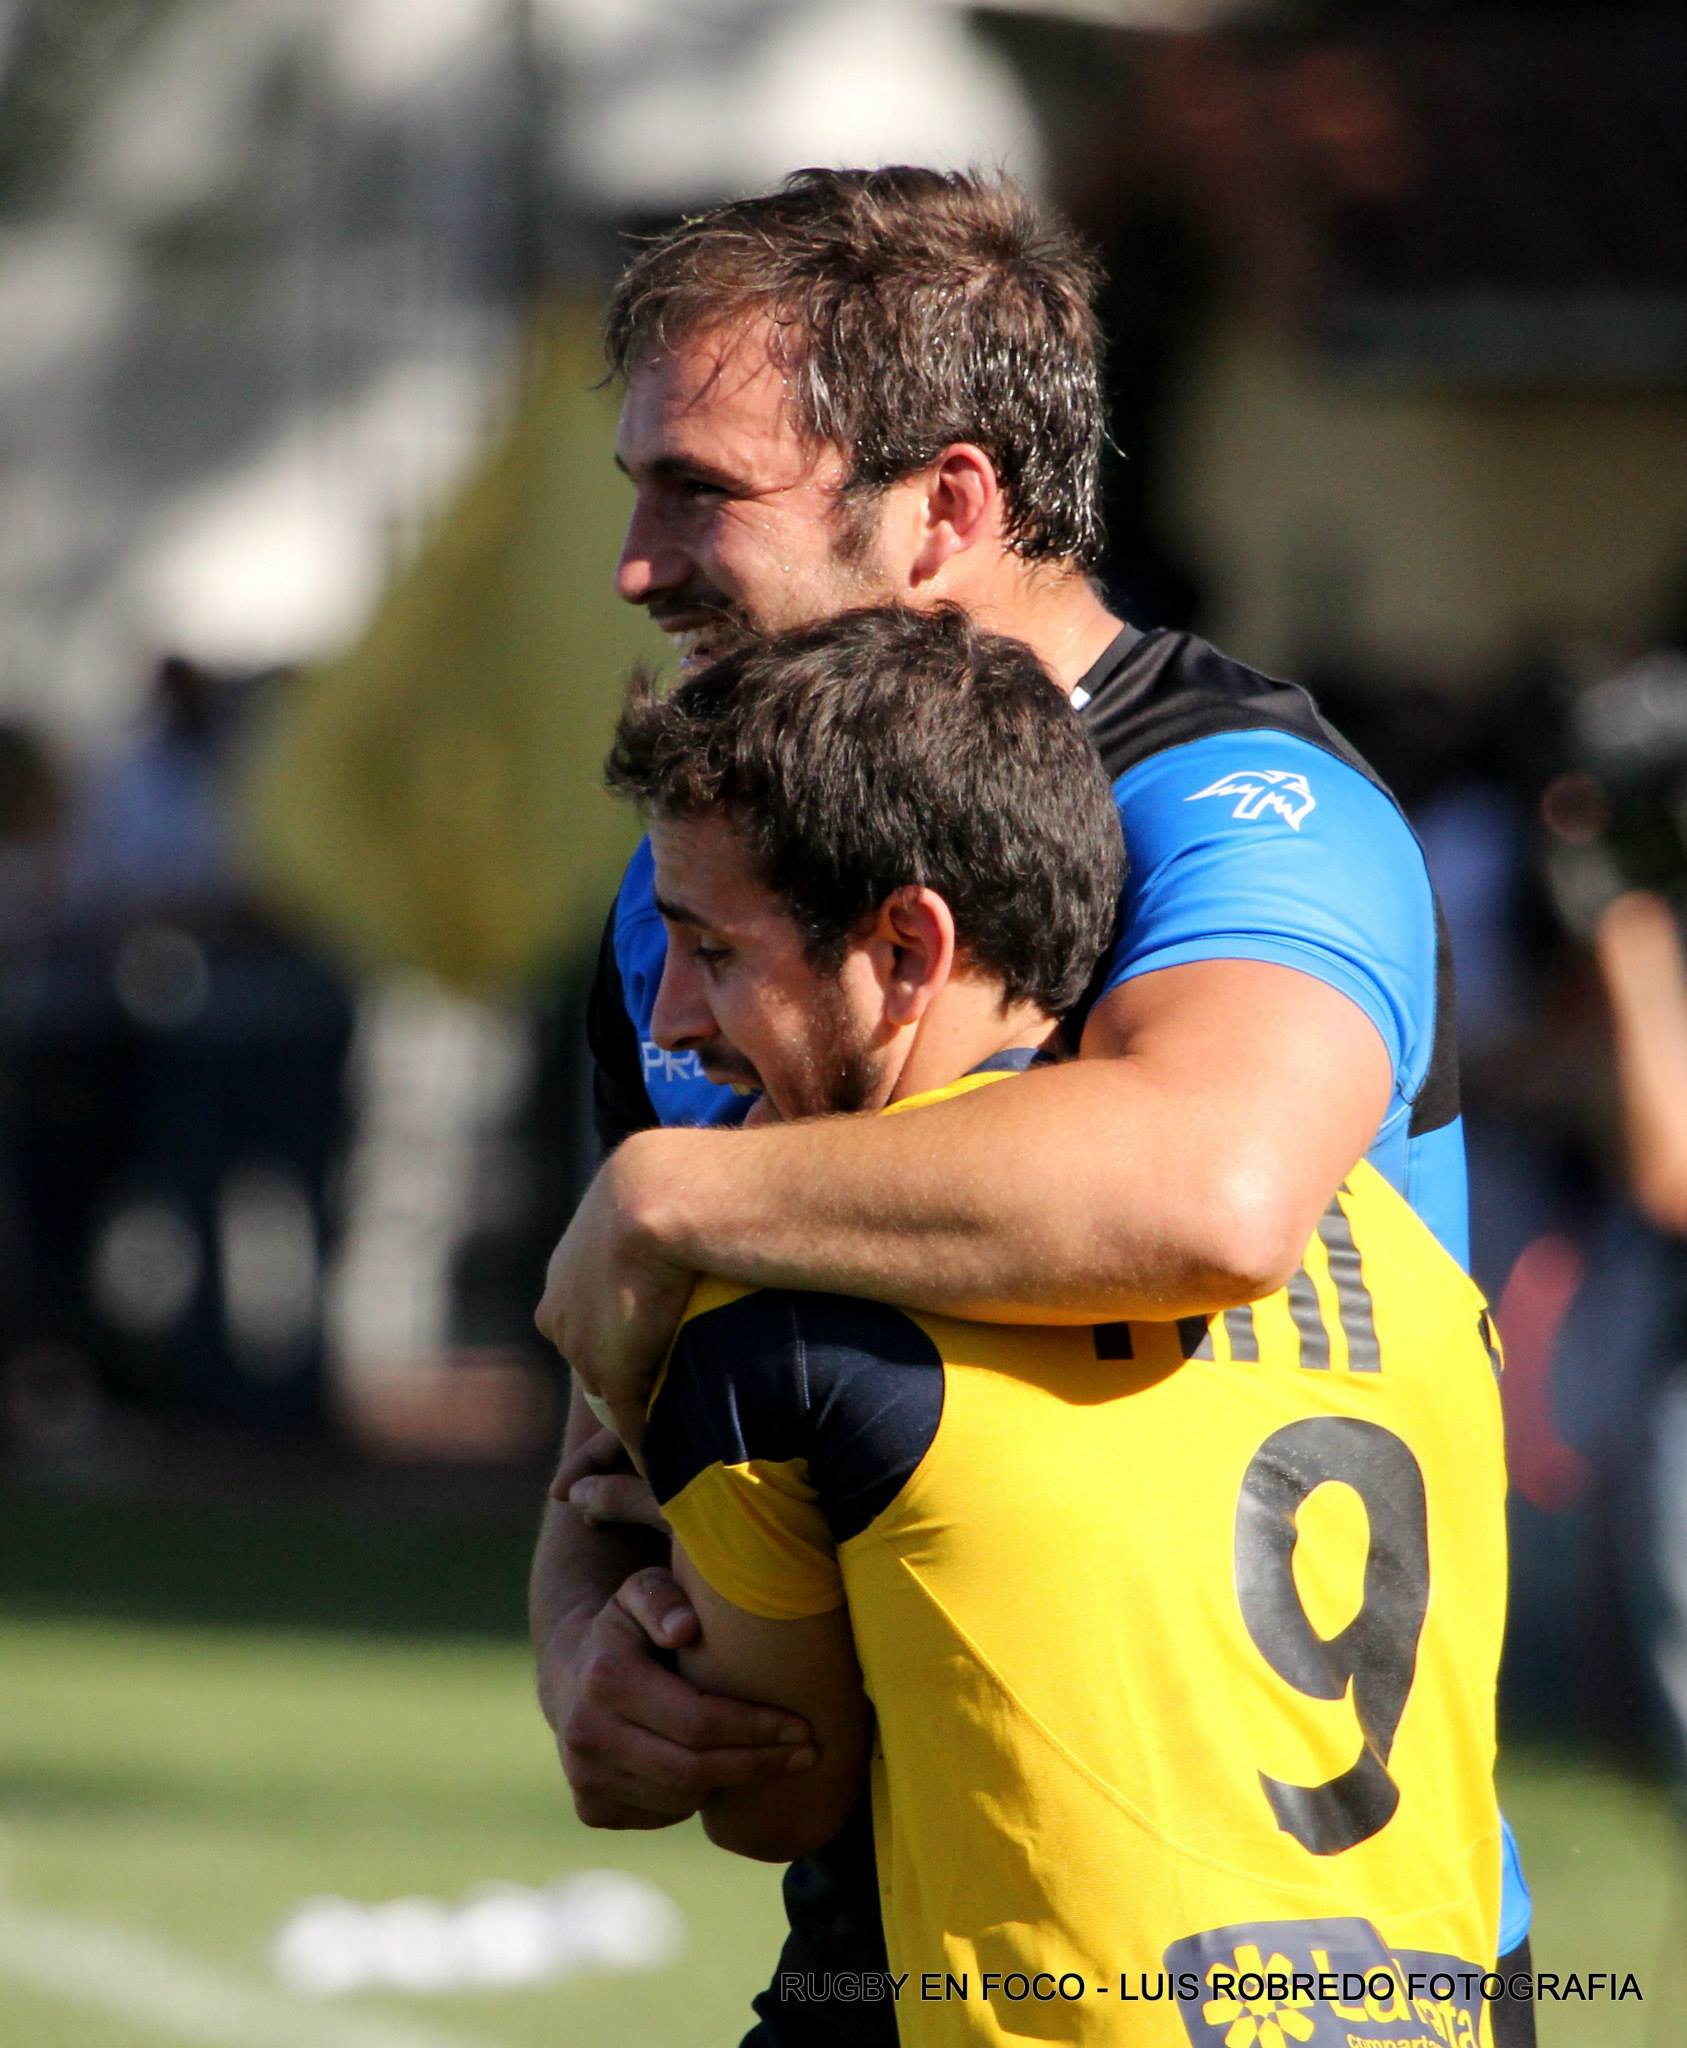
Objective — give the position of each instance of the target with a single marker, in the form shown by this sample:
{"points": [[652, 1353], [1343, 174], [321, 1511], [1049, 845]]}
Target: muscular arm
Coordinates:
{"points": [[641, 1746], [808, 1667], [1177, 1168], [579, 1567]]}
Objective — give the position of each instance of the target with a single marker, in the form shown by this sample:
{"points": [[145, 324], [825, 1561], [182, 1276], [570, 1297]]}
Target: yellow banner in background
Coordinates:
{"points": [[434, 796]]}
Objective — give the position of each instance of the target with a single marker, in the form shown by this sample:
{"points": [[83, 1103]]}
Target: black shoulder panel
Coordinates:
{"points": [[1173, 688], [1438, 1099], [620, 1101], [853, 1387], [875, 1380], [733, 1392]]}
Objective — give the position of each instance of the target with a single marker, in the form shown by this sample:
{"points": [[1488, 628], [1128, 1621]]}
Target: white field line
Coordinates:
{"points": [[166, 1991]]}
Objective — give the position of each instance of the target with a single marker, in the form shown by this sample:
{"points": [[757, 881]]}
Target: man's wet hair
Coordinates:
{"points": [[887, 747], [908, 309]]}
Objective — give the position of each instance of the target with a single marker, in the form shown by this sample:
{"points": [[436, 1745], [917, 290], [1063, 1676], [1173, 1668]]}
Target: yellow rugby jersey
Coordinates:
{"points": [[1182, 1638]]}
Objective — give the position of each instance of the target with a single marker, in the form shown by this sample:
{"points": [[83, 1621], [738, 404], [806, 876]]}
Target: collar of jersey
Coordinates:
{"points": [[1113, 657], [996, 1068]]}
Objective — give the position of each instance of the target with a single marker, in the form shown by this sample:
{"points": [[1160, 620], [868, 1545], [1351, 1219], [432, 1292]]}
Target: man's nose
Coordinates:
{"points": [[651, 561], [682, 1017]]}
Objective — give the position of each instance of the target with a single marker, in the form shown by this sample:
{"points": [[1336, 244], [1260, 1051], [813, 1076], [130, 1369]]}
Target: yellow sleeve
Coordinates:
{"points": [[758, 1535]]}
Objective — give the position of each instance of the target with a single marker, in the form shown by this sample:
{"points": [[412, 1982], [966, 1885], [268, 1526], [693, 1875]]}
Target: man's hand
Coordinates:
{"points": [[612, 1300], [597, 1481], [642, 1747]]}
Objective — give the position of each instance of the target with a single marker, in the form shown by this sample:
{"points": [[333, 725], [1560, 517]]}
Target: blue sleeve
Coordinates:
{"points": [[679, 1091], [1517, 1908], [1262, 846]]}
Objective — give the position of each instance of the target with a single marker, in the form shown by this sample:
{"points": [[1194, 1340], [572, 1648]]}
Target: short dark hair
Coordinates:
{"points": [[885, 747], [911, 308]]}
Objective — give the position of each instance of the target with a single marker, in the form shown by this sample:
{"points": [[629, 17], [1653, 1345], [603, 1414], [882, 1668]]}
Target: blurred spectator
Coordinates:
{"points": [[33, 809], [178, 1105], [1554, 819], [152, 833], [1644, 969], [33, 812], [1595, 1299]]}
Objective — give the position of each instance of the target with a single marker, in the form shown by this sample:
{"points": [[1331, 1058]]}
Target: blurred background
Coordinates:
{"points": [[308, 654]]}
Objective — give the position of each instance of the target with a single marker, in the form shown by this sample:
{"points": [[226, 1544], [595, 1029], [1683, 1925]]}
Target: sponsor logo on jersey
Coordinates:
{"points": [[1259, 790], [662, 1065], [1322, 1984]]}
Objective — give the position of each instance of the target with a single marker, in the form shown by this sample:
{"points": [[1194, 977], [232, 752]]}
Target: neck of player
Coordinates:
{"points": [[1052, 607], [962, 1028]]}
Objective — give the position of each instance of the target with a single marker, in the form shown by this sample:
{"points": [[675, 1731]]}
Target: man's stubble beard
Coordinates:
{"points": [[857, 517], [855, 564], [840, 1075], [858, 574]]}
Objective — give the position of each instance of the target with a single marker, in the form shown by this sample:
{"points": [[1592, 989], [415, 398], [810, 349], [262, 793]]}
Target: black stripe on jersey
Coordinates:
{"points": [[1243, 1335], [1114, 1340], [1353, 1297], [1195, 1336], [1151, 691], [1309, 1322], [853, 1387]]}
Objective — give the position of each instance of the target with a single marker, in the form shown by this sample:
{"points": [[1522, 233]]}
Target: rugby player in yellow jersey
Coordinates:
{"points": [[1179, 1639]]}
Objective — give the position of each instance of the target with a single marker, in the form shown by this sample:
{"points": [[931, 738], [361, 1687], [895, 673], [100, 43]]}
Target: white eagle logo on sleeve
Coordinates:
{"points": [[1258, 790]]}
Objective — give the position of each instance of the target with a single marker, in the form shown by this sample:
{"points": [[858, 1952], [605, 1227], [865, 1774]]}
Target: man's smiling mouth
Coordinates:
{"points": [[699, 636]]}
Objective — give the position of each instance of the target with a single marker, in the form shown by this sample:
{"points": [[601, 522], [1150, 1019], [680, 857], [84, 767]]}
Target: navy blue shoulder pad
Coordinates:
{"points": [[853, 1388]]}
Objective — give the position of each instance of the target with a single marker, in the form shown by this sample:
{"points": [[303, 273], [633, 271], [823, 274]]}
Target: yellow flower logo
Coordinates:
{"points": [[1261, 2021]]}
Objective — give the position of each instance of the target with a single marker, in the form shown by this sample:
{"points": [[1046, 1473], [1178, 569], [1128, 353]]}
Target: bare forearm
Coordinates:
{"points": [[1654, 1085], [1176, 1169], [775, 1820], [576, 1569], [1645, 976], [809, 1668], [958, 1208], [577, 1566]]}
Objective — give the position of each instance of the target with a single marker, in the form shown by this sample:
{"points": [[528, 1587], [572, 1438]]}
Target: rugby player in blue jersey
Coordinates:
{"points": [[884, 387]]}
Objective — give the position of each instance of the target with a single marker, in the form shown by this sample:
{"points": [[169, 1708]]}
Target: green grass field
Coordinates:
{"points": [[207, 1715]]}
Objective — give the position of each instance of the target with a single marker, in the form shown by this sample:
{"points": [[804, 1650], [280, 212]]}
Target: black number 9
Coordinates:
{"points": [[1377, 1650]]}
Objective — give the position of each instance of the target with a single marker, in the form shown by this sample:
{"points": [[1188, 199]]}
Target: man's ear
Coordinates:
{"points": [[962, 507], [914, 944]]}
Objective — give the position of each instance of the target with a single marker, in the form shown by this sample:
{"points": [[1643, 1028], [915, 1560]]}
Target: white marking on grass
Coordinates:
{"points": [[166, 1991]]}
